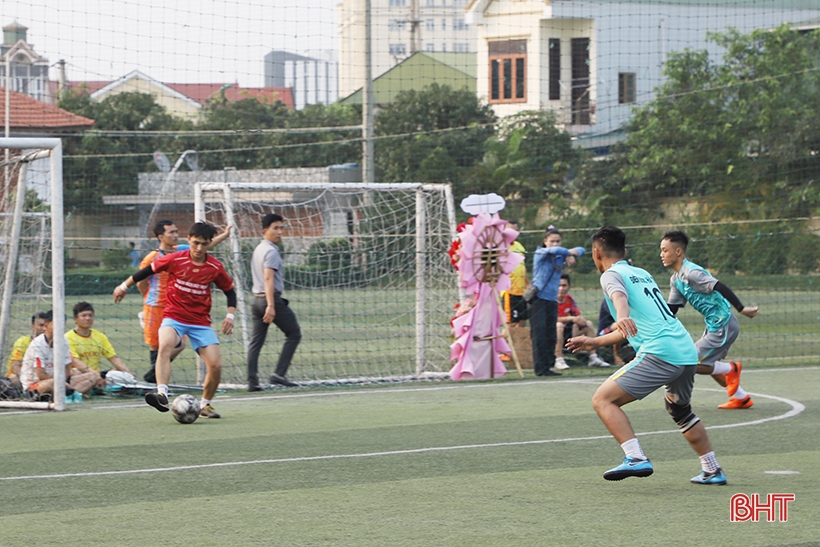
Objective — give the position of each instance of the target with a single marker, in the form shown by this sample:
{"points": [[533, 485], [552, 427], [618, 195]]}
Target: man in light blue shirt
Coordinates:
{"points": [[665, 356]]}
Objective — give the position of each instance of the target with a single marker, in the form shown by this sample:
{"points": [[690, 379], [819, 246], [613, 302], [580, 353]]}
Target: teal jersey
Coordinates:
{"points": [[659, 332], [695, 285]]}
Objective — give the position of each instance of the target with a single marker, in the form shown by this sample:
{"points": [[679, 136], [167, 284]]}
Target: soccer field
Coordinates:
{"points": [[511, 462]]}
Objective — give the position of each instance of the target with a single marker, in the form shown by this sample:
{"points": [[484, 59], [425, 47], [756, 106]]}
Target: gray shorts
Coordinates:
{"points": [[714, 346], [646, 373]]}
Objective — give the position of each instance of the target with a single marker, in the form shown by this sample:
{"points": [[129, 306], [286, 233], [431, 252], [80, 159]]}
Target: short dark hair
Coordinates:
{"points": [[202, 229], [611, 240], [566, 276], [48, 316], [38, 315], [270, 218], [677, 237], [159, 227], [81, 307]]}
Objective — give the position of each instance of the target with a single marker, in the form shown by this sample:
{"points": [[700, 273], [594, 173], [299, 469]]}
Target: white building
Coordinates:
{"points": [[399, 28], [28, 69], [593, 61], [313, 76]]}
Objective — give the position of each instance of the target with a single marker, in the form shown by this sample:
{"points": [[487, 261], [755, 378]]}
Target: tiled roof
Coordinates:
{"points": [[30, 114], [267, 95]]}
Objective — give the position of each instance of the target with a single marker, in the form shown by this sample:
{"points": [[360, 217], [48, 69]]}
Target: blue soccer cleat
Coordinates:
{"points": [[718, 477], [632, 467]]}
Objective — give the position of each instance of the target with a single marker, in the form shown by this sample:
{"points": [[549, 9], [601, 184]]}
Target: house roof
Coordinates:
{"points": [[423, 68], [28, 114], [137, 75], [199, 93], [233, 92]]}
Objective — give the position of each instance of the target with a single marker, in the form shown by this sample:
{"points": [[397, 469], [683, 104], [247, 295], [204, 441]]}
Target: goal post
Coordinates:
{"points": [[366, 271], [12, 221]]}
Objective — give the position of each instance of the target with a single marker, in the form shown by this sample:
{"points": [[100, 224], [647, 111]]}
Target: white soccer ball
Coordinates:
{"points": [[185, 409]]}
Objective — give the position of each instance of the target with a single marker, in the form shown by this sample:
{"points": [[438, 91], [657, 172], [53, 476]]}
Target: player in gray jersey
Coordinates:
{"points": [[712, 299]]}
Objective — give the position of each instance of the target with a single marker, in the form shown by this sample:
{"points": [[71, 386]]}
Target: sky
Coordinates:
{"points": [[173, 41]]}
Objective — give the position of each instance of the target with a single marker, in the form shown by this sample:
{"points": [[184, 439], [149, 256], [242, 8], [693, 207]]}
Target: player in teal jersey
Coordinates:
{"points": [[692, 283], [665, 356]]}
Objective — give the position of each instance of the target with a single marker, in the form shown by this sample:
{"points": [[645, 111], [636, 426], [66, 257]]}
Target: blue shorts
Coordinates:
{"points": [[199, 335]]}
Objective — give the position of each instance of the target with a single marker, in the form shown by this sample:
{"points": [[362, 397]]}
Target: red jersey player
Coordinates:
{"points": [[187, 312]]}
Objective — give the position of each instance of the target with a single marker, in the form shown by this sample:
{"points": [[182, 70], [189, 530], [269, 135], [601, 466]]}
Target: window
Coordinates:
{"points": [[555, 69], [580, 81], [431, 3], [626, 88], [444, 24], [461, 47], [430, 24], [429, 47], [395, 25], [459, 24], [444, 47], [508, 61], [398, 50], [397, 3]]}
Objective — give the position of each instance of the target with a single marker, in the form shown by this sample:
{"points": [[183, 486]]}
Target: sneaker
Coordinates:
{"points": [[560, 364], [158, 401], [208, 412], [735, 403], [733, 378], [282, 381], [632, 467], [150, 376], [718, 477], [253, 388], [595, 361]]}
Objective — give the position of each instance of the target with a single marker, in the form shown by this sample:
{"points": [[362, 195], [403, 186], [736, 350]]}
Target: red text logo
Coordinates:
{"points": [[774, 508]]}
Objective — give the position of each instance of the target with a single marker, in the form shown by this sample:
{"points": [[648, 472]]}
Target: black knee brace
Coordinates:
{"points": [[682, 415]]}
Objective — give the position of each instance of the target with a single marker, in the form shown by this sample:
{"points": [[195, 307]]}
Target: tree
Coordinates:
{"points": [[740, 132], [432, 135], [115, 162]]}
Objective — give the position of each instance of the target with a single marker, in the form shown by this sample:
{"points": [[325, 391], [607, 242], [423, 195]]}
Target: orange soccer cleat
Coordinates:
{"points": [[733, 378], [737, 404]]}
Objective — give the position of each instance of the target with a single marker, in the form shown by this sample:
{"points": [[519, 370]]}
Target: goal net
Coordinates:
{"points": [[31, 255], [366, 272]]}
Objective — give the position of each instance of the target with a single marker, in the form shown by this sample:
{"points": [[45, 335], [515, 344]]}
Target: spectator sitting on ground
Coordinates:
{"points": [[89, 345], [38, 326], [570, 324], [37, 370], [606, 325]]}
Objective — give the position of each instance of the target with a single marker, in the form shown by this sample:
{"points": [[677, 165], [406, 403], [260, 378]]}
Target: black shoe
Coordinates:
{"points": [[150, 376], [158, 401], [282, 381], [548, 373], [255, 388]]}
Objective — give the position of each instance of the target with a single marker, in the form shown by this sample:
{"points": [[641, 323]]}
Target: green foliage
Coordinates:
{"points": [[116, 258], [739, 132], [421, 147]]}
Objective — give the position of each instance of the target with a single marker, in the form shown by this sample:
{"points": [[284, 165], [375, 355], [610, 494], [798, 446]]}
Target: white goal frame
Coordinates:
{"points": [[226, 189], [51, 148]]}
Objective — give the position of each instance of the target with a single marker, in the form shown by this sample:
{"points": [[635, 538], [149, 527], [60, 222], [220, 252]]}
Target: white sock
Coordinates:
{"points": [[204, 402], [633, 448], [708, 462], [740, 394], [163, 388], [721, 367]]}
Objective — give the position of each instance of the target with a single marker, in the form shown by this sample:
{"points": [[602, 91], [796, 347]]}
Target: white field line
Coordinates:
{"points": [[796, 408]]}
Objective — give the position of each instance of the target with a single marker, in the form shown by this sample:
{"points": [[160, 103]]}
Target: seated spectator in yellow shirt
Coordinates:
{"points": [[88, 346], [38, 326]]}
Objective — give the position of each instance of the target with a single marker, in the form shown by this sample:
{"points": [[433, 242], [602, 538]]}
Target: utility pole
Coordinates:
{"points": [[368, 174]]}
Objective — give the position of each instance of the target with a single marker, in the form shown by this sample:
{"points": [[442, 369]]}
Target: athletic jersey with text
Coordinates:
{"points": [[568, 307], [40, 355], [18, 350], [155, 295], [695, 285], [659, 332], [188, 293], [89, 349]]}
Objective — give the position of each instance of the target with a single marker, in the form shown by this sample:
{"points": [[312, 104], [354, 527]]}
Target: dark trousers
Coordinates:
{"points": [[543, 315], [285, 320]]}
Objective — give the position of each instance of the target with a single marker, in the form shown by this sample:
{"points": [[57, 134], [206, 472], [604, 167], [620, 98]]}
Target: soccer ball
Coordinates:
{"points": [[185, 409]]}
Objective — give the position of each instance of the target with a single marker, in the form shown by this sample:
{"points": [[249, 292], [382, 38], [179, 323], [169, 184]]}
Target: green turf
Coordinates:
{"points": [[488, 463]]}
